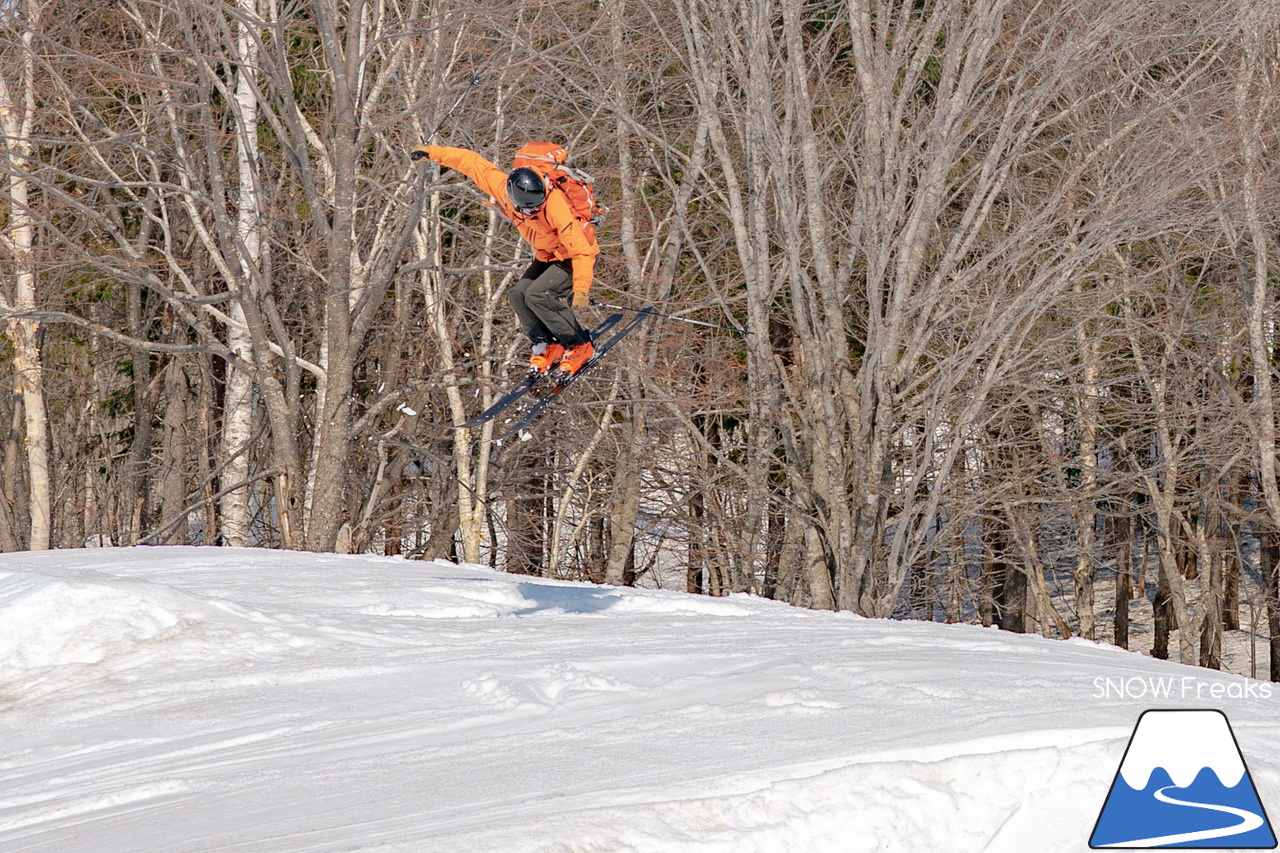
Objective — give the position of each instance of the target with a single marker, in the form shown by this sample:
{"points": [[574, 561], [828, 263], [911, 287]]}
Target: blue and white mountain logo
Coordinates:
{"points": [[1183, 783]]}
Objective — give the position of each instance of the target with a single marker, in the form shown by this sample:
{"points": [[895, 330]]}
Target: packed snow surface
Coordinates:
{"points": [[176, 699]]}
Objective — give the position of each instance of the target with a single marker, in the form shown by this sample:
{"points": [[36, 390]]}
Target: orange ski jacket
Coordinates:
{"points": [[554, 232]]}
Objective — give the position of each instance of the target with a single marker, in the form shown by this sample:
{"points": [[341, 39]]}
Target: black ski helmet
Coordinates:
{"points": [[526, 190]]}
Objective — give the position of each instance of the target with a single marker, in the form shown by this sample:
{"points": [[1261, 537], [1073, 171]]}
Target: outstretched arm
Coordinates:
{"points": [[488, 177]]}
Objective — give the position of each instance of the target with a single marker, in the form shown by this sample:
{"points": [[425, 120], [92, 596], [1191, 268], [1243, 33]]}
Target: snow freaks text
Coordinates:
{"points": [[1185, 687]]}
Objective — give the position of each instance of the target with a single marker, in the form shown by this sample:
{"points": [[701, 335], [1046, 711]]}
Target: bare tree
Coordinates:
{"points": [[237, 423], [18, 105]]}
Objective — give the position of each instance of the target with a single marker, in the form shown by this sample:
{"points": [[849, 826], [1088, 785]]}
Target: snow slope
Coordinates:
{"points": [[185, 699]]}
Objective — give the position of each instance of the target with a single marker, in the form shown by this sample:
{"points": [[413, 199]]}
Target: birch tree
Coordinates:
{"points": [[238, 412], [18, 105]]}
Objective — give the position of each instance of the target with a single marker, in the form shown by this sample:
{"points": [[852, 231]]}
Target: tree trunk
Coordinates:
{"points": [[1086, 512], [1006, 606], [1011, 597], [527, 514], [625, 506], [332, 440], [135, 489], [237, 418], [175, 444], [17, 116], [1188, 609], [1270, 557], [1211, 630], [1162, 611], [1230, 590], [597, 549], [1252, 100], [1123, 539], [695, 570]]}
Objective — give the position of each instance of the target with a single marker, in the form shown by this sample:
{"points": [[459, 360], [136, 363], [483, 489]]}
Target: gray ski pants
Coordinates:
{"points": [[540, 299]]}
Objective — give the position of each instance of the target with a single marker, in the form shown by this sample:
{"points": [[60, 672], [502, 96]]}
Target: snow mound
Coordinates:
{"points": [[99, 625], [455, 598]]}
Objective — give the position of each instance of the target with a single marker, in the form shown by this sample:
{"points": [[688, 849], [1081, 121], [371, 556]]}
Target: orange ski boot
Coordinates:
{"points": [[544, 355], [575, 357]]}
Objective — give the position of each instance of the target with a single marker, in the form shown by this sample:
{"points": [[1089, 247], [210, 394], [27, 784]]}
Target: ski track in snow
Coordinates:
{"points": [[165, 700]]}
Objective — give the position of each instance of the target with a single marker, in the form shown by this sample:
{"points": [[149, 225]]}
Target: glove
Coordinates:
{"points": [[419, 152], [581, 300]]}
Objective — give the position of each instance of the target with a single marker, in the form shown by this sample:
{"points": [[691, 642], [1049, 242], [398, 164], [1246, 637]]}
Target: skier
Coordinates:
{"points": [[564, 256]]}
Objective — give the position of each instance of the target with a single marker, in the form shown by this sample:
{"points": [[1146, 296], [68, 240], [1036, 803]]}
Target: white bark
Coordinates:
{"points": [[237, 425], [17, 115]]}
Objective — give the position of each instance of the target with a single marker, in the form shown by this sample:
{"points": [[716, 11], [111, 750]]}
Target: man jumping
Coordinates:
{"points": [[564, 261]]}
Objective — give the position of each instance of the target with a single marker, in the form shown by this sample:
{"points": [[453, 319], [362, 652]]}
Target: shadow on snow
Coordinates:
{"points": [[569, 599]]}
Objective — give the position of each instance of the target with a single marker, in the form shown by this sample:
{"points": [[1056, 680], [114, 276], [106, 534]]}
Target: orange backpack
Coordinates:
{"points": [[547, 159]]}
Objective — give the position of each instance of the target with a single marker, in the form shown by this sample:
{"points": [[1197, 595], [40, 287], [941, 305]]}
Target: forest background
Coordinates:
{"points": [[1001, 268]]}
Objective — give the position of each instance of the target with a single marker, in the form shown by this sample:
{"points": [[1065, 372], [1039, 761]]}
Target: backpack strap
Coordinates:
{"points": [[587, 183], [577, 175], [543, 158]]}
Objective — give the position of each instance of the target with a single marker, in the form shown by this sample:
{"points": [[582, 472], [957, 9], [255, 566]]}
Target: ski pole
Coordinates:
{"points": [[472, 82], [733, 329]]}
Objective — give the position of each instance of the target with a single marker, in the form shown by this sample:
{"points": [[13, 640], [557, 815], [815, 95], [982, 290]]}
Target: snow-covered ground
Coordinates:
{"points": [[187, 699]]}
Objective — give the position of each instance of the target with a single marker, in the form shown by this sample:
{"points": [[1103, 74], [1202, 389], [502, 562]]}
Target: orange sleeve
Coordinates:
{"points": [[488, 177], [583, 272], [577, 246]]}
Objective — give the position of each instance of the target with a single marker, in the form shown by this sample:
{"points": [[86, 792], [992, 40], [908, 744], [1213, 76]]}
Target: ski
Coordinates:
{"points": [[559, 388], [501, 404]]}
